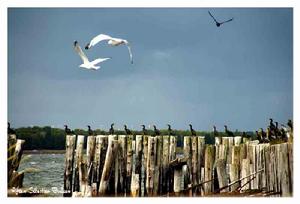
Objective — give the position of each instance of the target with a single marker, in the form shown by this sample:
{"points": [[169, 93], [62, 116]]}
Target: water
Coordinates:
{"points": [[50, 178]]}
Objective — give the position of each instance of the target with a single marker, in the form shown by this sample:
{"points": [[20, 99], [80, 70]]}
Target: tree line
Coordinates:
{"points": [[54, 138]]}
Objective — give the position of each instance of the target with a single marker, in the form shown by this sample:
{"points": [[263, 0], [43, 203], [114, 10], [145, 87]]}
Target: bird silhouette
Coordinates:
{"points": [[127, 131], [290, 124], [215, 132], [90, 131], [218, 24], [111, 130], [170, 131], [68, 130], [228, 132], [156, 131], [10, 130], [193, 132], [144, 131]]}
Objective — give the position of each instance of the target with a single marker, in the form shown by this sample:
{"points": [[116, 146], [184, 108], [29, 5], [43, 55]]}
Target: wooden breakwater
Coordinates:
{"points": [[126, 165]]}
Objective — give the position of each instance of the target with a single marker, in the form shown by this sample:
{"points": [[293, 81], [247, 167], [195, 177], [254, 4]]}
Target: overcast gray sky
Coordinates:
{"points": [[186, 70]]}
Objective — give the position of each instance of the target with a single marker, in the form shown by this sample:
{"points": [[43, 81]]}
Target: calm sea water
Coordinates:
{"points": [[50, 177]]}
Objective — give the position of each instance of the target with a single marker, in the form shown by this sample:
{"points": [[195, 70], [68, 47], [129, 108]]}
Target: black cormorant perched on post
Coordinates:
{"points": [[272, 126], [127, 131], [144, 131], [90, 131], [67, 130], [218, 24], [193, 132], [10, 131], [228, 132], [290, 124], [259, 137], [170, 131], [215, 132], [156, 131], [111, 130]]}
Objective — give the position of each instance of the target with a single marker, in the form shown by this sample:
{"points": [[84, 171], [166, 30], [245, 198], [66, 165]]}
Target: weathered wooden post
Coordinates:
{"points": [[109, 164], [158, 165], [90, 150], [234, 176], [208, 168], [188, 154], [218, 140], [144, 166], [15, 151], [245, 171], [78, 160], [122, 160], [69, 159], [172, 156], [165, 165], [237, 140], [220, 166], [151, 157], [195, 164], [138, 160], [285, 174], [200, 154], [291, 166], [129, 163], [135, 187], [176, 165]]}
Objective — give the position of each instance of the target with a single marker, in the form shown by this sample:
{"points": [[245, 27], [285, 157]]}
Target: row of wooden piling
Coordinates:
{"points": [[141, 165]]}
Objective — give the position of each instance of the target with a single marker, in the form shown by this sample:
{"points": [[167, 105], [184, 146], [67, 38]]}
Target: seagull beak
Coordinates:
{"points": [[87, 46]]}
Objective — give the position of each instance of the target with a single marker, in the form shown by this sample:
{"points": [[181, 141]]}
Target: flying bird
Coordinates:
{"points": [[218, 24], [111, 41], [86, 63]]}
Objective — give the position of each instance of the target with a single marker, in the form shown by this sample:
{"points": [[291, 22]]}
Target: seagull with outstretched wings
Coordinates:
{"points": [[111, 41], [86, 63], [218, 24]]}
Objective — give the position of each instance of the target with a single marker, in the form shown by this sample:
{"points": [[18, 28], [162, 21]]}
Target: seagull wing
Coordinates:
{"points": [[96, 61], [130, 53], [80, 53], [227, 21], [213, 17], [99, 38]]}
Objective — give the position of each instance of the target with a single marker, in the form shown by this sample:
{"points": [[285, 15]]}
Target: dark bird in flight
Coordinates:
{"points": [[193, 132], [68, 130], [228, 132], [156, 131], [10, 130], [111, 130], [218, 24], [144, 131], [90, 131], [170, 131], [127, 131]]}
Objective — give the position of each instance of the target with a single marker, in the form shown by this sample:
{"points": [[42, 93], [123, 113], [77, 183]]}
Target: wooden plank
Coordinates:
{"points": [[291, 166], [122, 158], [135, 185], [144, 165], [69, 160], [138, 166], [220, 166], [78, 160], [201, 151], [194, 141], [108, 165], [237, 140], [208, 171], [165, 165], [284, 165], [129, 163], [172, 156], [151, 156], [90, 150], [158, 165], [234, 176], [187, 154], [245, 171]]}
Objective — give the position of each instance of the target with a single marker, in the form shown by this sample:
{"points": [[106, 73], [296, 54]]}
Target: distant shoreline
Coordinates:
{"points": [[44, 151]]}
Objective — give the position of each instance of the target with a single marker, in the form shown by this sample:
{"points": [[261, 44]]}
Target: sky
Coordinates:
{"points": [[186, 70]]}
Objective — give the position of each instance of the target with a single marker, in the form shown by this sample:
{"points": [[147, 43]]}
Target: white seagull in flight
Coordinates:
{"points": [[111, 41], [86, 63]]}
